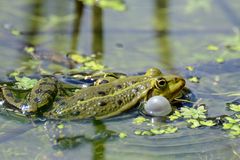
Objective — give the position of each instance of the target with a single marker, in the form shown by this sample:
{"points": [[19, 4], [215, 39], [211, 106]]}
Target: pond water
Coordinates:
{"points": [[168, 34]]}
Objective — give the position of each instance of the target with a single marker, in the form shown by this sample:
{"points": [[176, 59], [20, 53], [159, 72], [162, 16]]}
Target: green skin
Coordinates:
{"points": [[99, 101]]}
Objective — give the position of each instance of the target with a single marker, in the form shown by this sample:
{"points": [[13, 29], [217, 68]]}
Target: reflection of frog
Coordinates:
{"points": [[100, 101]]}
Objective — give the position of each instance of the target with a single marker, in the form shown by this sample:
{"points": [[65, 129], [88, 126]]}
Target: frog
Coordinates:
{"points": [[107, 98]]}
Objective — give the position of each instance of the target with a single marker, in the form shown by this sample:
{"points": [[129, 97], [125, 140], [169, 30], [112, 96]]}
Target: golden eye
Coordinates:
{"points": [[161, 82]]}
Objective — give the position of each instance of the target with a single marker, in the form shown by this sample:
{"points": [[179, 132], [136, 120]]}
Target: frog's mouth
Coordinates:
{"points": [[175, 85]]}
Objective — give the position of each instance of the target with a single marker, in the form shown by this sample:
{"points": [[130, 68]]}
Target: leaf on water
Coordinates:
{"points": [[137, 132], [170, 129], [25, 82], [220, 60], [29, 50], [231, 120], [139, 120], [212, 47], [15, 32], [234, 107], [194, 79], [147, 133], [194, 123], [208, 123], [157, 131], [78, 58], [60, 126], [176, 115], [190, 68], [122, 135], [192, 113], [227, 125]]}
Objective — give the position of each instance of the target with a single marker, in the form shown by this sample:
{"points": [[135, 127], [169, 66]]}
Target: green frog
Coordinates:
{"points": [[108, 97]]}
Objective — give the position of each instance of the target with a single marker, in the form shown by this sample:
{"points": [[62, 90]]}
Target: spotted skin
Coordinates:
{"points": [[101, 101]]}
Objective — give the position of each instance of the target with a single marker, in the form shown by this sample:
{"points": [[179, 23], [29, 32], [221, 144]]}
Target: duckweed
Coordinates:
{"points": [[29, 50], [139, 120], [190, 68], [25, 82], [234, 107], [198, 113], [194, 79], [122, 135], [212, 47], [220, 60]]}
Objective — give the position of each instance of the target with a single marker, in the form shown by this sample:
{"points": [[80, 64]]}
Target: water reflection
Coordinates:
{"points": [[98, 147], [97, 32], [45, 28], [161, 27], [76, 25]]}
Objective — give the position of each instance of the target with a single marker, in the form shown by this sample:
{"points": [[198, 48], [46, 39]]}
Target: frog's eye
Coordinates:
{"points": [[161, 83]]}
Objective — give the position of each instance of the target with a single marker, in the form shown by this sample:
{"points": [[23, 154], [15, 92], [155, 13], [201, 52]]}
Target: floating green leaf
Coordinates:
{"points": [[25, 82], [147, 133], [15, 32], [137, 132], [176, 115], [190, 68], [227, 125], [194, 123], [220, 60], [194, 79], [198, 113], [29, 50], [139, 120], [232, 120], [208, 123], [60, 126], [122, 135], [157, 131], [212, 47], [234, 107], [170, 129]]}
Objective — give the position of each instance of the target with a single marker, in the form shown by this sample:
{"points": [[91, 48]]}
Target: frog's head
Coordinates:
{"points": [[168, 86]]}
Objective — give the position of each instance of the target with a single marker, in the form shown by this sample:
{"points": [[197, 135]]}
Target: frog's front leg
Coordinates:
{"points": [[11, 97], [41, 96]]}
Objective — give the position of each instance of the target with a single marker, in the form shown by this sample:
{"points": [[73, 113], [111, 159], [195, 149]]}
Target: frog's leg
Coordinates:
{"points": [[11, 97], [42, 95]]}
